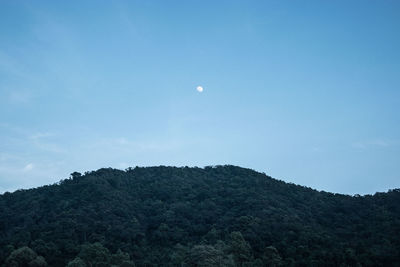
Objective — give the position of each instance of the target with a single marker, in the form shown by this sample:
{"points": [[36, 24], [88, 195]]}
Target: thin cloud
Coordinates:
{"points": [[28, 167], [11, 67], [20, 97], [376, 143], [40, 135]]}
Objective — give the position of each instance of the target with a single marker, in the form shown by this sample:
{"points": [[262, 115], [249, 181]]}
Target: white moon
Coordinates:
{"points": [[199, 89]]}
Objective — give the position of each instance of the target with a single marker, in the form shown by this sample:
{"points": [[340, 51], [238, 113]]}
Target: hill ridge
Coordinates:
{"points": [[170, 216]]}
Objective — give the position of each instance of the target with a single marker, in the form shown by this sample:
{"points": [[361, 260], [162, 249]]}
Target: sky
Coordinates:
{"points": [[306, 91]]}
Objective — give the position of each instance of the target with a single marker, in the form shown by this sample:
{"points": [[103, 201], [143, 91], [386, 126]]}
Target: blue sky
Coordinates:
{"points": [[305, 91]]}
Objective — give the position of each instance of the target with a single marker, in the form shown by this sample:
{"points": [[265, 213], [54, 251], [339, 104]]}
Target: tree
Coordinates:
{"points": [[39, 261], [76, 175], [240, 248], [25, 256], [271, 257], [77, 262], [208, 256], [121, 259], [95, 253]]}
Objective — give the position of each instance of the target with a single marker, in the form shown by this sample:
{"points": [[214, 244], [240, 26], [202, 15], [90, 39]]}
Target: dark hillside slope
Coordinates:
{"points": [[213, 216]]}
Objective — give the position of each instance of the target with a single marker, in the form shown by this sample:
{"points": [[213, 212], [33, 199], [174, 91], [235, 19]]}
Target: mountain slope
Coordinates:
{"points": [[224, 215]]}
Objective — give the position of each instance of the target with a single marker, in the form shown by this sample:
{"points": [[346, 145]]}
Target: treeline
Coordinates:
{"points": [[212, 216]]}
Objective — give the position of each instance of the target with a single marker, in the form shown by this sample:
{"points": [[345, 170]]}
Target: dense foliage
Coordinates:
{"points": [[212, 216]]}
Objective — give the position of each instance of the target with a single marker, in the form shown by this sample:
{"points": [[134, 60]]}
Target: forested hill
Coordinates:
{"points": [[212, 216]]}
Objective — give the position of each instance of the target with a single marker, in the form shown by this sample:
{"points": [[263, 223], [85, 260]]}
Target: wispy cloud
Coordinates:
{"points": [[11, 67], [123, 143], [14, 174], [41, 135], [29, 158], [375, 143], [41, 142], [28, 167], [19, 97]]}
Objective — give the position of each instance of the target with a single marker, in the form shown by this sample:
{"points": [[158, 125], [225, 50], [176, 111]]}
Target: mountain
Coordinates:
{"points": [[212, 216]]}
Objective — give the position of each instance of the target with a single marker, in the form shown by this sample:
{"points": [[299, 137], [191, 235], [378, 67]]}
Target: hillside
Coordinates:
{"points": [[212, 216]]}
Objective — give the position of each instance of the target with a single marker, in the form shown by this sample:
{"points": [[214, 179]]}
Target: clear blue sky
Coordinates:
{"points": [[305, 91]]}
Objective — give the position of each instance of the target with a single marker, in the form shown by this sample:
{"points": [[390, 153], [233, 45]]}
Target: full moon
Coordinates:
{"points": [[199, 89]]}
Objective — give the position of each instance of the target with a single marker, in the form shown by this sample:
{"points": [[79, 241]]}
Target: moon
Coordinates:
{"points": [[199, 89]]}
